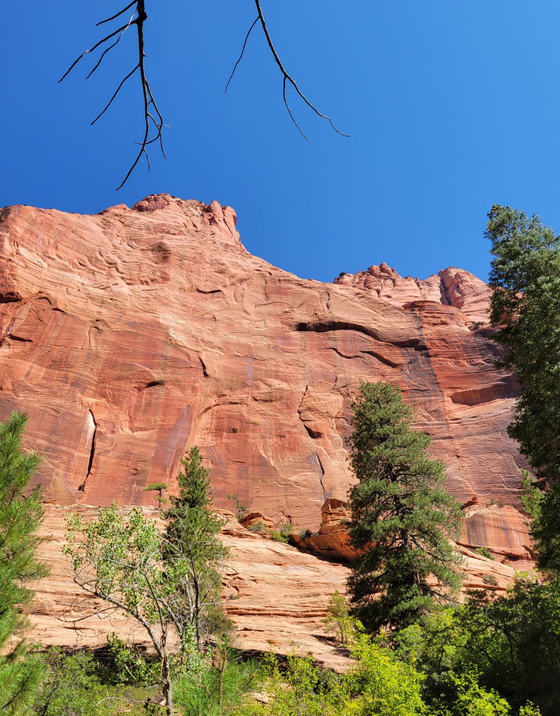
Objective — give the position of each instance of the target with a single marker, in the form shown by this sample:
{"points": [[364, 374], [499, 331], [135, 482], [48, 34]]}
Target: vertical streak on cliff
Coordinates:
{"points": [[322, 475], [93, 430]]}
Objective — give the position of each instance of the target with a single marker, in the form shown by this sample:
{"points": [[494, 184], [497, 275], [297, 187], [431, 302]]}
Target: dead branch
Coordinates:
{"points": [[286, 77], [151, 113], [153, 119]]}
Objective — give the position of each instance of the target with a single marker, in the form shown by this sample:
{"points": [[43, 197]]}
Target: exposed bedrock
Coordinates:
{"points": [[134, 334]]}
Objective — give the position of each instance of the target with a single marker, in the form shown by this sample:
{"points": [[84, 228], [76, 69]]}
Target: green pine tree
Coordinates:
{"points": [[194, 546], [525, 307], [401, 516], [20, 516]]}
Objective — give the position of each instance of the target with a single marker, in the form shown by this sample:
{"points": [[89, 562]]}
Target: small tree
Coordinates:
{"points": [[339, 620], [195, 552], [20, 517], [158, 487], [119, 559], [169, 582], [401, 517]]}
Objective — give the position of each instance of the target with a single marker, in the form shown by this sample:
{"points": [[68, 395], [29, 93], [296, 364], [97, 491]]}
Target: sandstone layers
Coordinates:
{"points": [[132, 335], [276, 595]]}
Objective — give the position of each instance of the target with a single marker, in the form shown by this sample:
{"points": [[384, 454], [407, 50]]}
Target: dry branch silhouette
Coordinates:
{"points": [[152, 117]]}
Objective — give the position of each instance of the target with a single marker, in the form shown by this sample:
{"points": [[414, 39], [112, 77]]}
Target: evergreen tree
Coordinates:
{"points": [[20, 516], [525, 306], [194, 547], [401, 516]]}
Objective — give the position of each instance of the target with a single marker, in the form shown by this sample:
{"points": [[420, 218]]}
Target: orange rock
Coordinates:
{"points": [[132, 335], [276, 595]]}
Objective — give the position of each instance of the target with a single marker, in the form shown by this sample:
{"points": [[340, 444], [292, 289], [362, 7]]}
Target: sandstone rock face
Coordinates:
{"points": [[276, 596], [132, 335], [451, 287]]}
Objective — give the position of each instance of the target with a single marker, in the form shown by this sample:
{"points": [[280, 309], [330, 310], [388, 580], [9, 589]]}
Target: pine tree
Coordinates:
{"points": [[20, 516], [525, 307], [401, 516], [194, 547]]}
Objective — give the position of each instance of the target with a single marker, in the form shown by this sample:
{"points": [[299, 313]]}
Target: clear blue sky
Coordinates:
{"points": [[452, 106]]}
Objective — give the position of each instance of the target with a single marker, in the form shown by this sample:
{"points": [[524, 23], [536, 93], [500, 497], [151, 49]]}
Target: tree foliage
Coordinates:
{"points": [[119, 558], [401, 516], [20, 517], [525, 307], [194, 549], [506, 644], [168, 581]]}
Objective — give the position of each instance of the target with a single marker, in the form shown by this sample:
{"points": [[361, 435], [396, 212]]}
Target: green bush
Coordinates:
{"points": [[299, 689], [485, 552], [382, 685], [217, 684]]}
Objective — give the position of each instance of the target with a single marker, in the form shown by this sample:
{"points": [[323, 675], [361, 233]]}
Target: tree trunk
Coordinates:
{"points": [[167, 684]]}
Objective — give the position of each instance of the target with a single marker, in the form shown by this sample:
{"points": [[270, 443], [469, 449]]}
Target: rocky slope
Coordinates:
{"points": [[276, 595]]}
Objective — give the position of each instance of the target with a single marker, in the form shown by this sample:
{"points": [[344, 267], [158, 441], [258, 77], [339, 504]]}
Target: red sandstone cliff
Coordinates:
{"points": [[134, 334]]}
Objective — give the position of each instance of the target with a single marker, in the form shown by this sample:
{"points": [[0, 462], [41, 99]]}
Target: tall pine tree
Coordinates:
{"points": [[525, 307], [20, 516], [401, 516]]}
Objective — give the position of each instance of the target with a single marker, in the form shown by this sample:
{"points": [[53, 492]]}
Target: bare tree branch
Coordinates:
{"points": [[117, 15], [151, 113], [153, 119], [242, 53], [287, 78]]}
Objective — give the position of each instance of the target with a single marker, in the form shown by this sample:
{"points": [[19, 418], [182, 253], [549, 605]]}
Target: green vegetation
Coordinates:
{"points": [[281, 535], [401, 516], [158, 487], [119, 559], [492, 656], [167, 582], [339, 620], [240, 509], [194, 554], [525, 281], [20, 516], [531, 496], [484, 552]]}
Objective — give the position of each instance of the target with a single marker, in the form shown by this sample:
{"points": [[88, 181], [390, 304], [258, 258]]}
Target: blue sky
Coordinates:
{"points": [[452, 107]]}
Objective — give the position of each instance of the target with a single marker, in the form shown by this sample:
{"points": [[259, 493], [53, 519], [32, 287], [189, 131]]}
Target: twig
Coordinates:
{"points": [[151, 112], [242, 53], [287, 78]]}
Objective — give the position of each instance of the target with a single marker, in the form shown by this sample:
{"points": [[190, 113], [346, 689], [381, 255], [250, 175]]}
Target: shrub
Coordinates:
{"points": [[485, 552]]}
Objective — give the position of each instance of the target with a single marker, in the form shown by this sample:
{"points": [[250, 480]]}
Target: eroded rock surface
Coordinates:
{"points": [[132, 335], [451, 287], [276, 595]]}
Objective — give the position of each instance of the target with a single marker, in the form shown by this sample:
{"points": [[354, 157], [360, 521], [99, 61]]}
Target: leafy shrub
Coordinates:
{"points": [[240, 509], [131, 665], [339, 619], [71, 686], [382, 685], [258, 527], [217, 684], [283, 534], [300, 689], [485, 552]]}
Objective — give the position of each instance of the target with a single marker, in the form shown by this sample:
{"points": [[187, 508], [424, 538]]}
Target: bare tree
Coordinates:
{"points": [[152, 118]]}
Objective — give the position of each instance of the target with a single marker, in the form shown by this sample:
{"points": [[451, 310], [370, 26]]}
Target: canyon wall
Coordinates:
{"points": [[134, 334]]}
